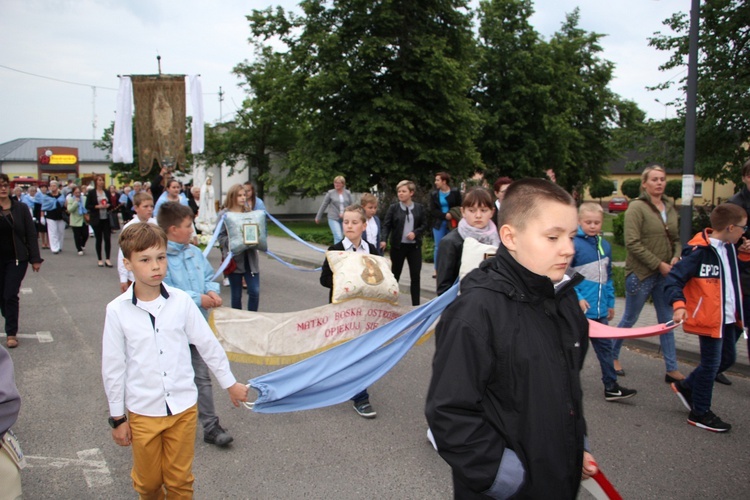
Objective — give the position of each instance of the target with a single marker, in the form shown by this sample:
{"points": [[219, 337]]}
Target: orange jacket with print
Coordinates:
{"points": [[697, 283]]}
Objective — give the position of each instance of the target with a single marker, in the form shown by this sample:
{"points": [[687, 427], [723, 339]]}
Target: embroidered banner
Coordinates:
{"points": [[285, 338], [159, 120]]}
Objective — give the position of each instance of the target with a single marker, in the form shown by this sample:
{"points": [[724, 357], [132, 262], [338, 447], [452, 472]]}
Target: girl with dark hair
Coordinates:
{"points": [[476, 222]]}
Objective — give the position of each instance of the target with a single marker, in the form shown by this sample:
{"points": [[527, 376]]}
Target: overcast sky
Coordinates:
{"points": [[90, 42]]}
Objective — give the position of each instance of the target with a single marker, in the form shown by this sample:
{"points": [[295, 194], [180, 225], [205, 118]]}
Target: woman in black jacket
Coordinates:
{"points": [[405, 222], [18, 248], [97, 205]]}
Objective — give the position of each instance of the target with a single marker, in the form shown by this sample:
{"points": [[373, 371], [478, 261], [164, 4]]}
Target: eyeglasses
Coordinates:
{"points": [[4, 185], [744, 228]]}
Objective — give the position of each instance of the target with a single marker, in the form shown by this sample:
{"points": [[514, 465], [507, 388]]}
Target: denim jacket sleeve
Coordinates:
{"points": [[510, 476]]}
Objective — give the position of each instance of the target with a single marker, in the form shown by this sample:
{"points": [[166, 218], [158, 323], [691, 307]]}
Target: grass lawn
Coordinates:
{"points": [[307, 230]]}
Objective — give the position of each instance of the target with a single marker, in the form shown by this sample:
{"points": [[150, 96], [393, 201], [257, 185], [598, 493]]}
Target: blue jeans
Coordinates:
{"points": [[603, 350], [253, 289], [730, 335], [336, 229], [361, 396], [637, 291], [713, 361], [437, 235]]}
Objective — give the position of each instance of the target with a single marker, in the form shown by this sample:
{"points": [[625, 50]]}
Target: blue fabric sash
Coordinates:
{"points": [[335, 375]]}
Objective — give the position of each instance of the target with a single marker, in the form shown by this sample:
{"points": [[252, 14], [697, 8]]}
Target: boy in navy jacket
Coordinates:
{"points": [[704, 290]]}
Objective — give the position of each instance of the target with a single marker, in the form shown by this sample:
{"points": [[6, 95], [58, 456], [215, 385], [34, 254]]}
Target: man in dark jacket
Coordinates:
{"points": [[742, 199], [505, 403]]}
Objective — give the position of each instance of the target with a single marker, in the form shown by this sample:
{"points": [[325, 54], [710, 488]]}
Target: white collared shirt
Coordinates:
{"points": [[126, 275], [730, 308], [147, 366], [349, 246], [371, 232]]}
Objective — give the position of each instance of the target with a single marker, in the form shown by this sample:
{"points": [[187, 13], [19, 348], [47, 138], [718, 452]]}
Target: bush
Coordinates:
{"points": [[618, 279], [701, 218], [428, 249], [618, 229], [631, 188]]}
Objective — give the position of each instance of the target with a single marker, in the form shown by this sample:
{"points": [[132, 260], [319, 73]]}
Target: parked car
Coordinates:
{"points": [[618, 204]]}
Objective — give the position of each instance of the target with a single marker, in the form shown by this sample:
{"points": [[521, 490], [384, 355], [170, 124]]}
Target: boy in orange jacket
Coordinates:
{"points": [[704, 290]]}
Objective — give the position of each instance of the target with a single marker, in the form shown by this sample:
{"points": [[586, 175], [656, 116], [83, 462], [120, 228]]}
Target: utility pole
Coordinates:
{"points": [[688, 166], [93, 109], [221, 99]]}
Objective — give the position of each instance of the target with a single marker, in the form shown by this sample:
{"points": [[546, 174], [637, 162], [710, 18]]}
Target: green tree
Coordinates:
{"points": [[262, 127], [546, 104], [381, 91], [723, 100], [631, 188], [585, 110], [601, 188], [512, 92], [673, 189]]}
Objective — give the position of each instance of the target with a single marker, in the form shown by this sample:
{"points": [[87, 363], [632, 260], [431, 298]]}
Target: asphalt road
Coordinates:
{"points": [[644, 445]]}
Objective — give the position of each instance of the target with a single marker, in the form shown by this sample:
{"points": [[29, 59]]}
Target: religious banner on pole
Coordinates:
{"points": [[160, 120]]}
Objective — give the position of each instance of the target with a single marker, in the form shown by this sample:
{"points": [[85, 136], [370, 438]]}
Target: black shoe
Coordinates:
{"points": [[218, 436], [722, 379], [685, 394], [709, 421], [364, 409], [616, 393], [620, 373], [670, 379]]}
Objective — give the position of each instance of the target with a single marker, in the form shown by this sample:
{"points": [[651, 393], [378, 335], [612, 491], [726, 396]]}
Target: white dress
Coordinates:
{"points": [[206, 220]]}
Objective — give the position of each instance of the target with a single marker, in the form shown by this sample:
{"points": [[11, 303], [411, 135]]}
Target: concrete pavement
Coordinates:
{"points": [[687, 345]]}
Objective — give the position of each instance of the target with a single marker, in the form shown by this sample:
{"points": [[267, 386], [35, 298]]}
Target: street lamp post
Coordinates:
{"points": [[688, 166]]}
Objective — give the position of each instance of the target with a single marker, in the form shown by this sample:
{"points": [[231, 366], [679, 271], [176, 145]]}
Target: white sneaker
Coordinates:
{"points": [[80, 252], [225, 282], [431, 438]]}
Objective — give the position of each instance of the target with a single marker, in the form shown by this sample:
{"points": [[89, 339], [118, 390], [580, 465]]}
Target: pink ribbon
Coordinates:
{"points": [[600, 331]]}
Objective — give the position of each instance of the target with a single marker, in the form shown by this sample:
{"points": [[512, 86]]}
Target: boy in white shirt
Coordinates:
{"points": [[146, 368], [143, 206]]}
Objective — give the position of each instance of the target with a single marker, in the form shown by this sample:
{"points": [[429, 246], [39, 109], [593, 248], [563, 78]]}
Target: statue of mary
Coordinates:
{"points": [[206, 220]]}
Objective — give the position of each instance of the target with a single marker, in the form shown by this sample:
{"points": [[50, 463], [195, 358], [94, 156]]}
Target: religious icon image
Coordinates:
{"points": [[372, 275]]}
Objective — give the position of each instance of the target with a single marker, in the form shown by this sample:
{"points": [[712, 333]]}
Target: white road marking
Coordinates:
{"points": [[42, 337], [26, 291], [95, 469]]}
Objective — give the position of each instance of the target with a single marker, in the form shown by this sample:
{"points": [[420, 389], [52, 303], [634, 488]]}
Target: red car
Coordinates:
{"points": [[618, 204]]}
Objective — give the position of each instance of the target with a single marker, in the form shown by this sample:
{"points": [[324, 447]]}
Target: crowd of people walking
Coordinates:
{"points": [[529, 264]]}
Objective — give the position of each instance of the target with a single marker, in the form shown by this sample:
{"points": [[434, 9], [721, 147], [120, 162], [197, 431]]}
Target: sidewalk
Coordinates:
{"points": [[687, 344]]}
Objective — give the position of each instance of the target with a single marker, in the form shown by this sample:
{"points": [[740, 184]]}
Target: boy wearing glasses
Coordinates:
{"points": [[704, 290]]}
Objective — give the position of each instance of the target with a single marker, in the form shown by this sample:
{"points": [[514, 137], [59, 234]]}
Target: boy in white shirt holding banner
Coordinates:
{"points": [[146, 368]]}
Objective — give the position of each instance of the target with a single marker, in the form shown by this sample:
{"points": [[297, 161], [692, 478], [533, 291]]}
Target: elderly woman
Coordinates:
{"points": [[18, 248], [53, 205], [336, 200], [653, 244]]}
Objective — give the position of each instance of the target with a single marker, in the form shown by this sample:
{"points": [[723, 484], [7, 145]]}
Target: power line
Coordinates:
{"points": [[56, 79], [69, 82]]}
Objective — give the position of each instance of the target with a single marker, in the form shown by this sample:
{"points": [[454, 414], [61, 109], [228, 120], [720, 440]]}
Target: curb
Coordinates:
{"points": [[684, 355]]}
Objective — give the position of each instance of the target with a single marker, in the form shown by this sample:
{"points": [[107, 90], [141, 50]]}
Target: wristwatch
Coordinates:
{"points": [[115, 423]]}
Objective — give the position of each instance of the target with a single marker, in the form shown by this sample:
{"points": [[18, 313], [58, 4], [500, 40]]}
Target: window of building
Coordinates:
{"points": [[698, 190]]}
